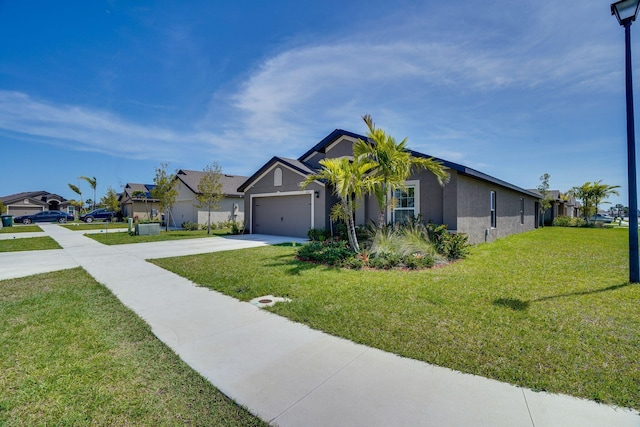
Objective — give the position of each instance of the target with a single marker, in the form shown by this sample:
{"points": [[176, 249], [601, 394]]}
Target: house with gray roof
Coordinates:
{"points": [[186, 209], [137, 202], [481, 206], [30, 202]]}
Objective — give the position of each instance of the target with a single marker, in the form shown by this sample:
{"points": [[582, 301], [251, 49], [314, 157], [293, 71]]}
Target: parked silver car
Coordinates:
{"points": [[606, 219]]}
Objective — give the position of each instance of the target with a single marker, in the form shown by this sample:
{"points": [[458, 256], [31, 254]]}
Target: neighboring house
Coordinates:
{"points": [[483, 207], [186, 209], [560, 206], [30, 202], [136, 202]]}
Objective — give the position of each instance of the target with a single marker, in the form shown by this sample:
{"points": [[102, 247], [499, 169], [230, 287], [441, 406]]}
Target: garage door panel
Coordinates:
{"points": [[282, 215]]}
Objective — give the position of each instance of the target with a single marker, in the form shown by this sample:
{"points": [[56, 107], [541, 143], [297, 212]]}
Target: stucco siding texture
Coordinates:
{"points": [[474, 213]]}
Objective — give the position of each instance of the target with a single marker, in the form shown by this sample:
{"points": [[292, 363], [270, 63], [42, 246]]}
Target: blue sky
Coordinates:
{"points": [[112, 89]]}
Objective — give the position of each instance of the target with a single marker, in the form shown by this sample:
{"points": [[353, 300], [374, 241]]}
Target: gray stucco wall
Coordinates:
{"points": [[340, 148], [474, 216]]}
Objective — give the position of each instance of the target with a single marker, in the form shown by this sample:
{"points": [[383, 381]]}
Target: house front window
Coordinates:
{"points": [[407, 204]]}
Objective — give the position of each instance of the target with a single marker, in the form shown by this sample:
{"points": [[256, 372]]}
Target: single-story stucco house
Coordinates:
{"points": [[186, 209], [30, 202], [136, 202], [483, 207]]}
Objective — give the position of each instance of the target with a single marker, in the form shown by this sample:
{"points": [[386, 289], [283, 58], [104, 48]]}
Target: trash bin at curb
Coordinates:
{"points": [[7, 220]]}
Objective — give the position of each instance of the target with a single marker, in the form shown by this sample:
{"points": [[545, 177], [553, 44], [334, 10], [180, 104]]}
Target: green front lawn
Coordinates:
{"points": [[548, 310], [28, 244], [120, 238], [21, 229], [73, 355], [81, 226]]}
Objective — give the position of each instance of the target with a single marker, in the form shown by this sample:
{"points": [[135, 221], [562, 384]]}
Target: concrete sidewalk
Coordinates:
{"points": [[291, 375]]}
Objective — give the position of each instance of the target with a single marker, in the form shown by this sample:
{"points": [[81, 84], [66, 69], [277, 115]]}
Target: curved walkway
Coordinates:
{"points": [[291, 375]]}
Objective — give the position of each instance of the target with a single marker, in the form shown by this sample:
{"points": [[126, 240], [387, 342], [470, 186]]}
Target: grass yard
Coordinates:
{"points": [[120, 238], [21, 229], [549, 310], [81, 226], [28, 244], [72, 354]]}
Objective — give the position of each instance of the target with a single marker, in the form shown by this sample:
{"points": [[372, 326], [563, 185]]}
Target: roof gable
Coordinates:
{"points": [[293, 164], [230, 183]]}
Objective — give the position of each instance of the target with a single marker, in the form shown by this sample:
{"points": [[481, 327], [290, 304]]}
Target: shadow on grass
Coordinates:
{"points": [[296, 266], [512, 303], [520, 305]]}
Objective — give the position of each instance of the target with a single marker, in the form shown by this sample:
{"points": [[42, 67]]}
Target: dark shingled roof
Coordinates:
{"points": [[230, 183]]}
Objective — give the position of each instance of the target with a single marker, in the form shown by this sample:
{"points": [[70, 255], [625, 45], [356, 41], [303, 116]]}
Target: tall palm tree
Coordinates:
{"points": [[583, 193], [93, 182], [77, 190], [393, 164], [350, 181], [600, 192]]}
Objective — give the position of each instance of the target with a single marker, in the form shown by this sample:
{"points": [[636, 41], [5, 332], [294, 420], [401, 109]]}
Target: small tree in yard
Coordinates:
{"points": [[350, 181], [3, 208], [165, 191], [110, 200], [210, 190], [543, 189]]}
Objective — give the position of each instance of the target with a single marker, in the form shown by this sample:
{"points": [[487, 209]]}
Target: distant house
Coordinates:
{"points": [[560, 206], [483, 207], [30, 202], [136, 202], [186, 209]]}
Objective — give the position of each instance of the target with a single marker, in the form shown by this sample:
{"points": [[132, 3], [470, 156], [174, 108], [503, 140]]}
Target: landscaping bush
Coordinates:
{"points": [[565, 221], [412, 245], [318, 234], [237, 227], [190, 226], [451, 245], [418, 261], [329, 252]]}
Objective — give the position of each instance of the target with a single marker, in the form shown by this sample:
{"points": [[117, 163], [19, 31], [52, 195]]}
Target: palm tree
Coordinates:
{"points": [[393, 164], [600, 192], [93, 183], [583, 193], [350, 181], [76, 190]]}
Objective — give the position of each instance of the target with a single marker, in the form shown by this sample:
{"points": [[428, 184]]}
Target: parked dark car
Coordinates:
{"points": [[45, 216], [601, 218], [98, 214]]}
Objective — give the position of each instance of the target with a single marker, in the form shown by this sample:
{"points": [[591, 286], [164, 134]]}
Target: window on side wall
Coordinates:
{"points": [[493, 209], [407, 206], [522, 210]]}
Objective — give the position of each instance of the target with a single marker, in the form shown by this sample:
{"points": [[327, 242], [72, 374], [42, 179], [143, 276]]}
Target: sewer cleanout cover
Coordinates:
{"points": [[267, 301]]}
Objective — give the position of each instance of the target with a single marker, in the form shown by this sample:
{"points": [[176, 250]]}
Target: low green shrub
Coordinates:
{"points": [[418, 261], [318, 234], [237, 227], [328, 252], [385, 260], [190, 226], [566, 221]]}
